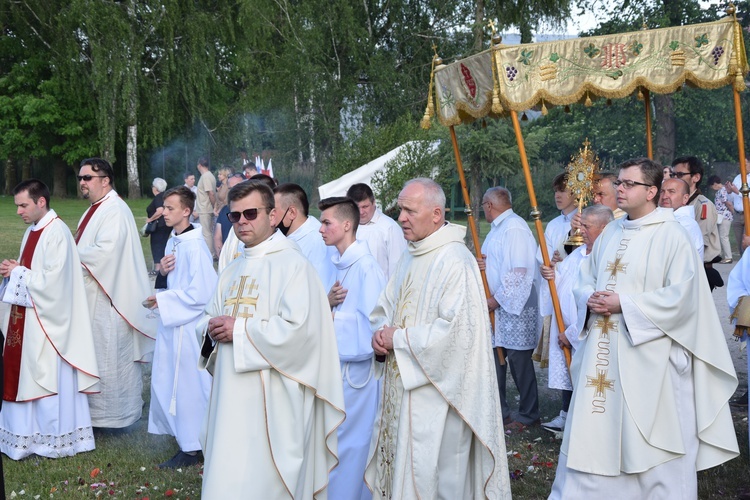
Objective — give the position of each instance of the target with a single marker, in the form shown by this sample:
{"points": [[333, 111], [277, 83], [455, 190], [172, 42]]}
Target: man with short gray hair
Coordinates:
{"points": [[437, 434]]}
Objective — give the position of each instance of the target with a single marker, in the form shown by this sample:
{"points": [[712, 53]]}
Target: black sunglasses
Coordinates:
{"points": [[87, 178], [250, 214]]}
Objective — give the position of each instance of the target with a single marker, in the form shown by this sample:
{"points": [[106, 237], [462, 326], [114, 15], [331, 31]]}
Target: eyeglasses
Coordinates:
{"points": [[249, 214], [680, 174], [87, 178], [629, 184]]}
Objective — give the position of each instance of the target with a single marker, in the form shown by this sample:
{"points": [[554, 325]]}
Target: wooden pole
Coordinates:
{"points": [[647, 107], [473, 230], [537, 216], [743, 169]]}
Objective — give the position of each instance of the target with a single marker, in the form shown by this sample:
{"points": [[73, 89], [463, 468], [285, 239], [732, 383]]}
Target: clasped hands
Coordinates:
{"points": [[604, 302], [382, 340], [7, 266]]}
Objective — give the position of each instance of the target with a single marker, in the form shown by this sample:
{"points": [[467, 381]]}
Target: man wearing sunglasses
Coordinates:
{"points": [[653, 375], [690, 170], [268, 339], [116, 281]]}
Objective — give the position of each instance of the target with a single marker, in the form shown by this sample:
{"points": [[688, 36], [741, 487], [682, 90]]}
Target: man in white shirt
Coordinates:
{"points": [[382, 234]]}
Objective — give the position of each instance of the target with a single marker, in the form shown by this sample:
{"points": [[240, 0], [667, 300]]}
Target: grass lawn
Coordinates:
{"points": [[124, 465]]}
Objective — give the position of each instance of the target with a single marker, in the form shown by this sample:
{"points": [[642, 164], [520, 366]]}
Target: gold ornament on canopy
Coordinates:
{"points": [[581, 171]]}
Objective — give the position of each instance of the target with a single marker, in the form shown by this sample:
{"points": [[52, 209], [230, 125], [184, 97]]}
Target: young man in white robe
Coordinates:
{"points": [[382, 234], [652, 376], [353, 294], [116, 283], [49, 364], [296, 224], [267, 337], [508, 254], [565, 273], [439, 427], [179, 390]]}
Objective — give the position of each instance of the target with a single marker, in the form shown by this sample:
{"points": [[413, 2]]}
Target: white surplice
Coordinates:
{"points": [[685, 216], [439, 426], [511, 268], [276, 397], [651, 384], [555, 235], [50, 416], [179, 390], [359, 273], [116, 283], [385, 239], [566, 278]]}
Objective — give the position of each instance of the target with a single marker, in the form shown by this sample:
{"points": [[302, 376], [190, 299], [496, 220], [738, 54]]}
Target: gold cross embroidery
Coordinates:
{"points": [[15, 315], [600, 383], [606, 325], [240, 301], [616, 267]]}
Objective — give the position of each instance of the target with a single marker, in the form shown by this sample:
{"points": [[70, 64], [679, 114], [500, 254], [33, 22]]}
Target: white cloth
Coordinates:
{"points": [[359, 273], [685, 215], [555, 235], [276, 398], [116, 283], [385, 239], [439, 427], [309, 240], [179, 390], [231, 249], [511, 268], [566, 278], [736, 199], [651, 383], [738, 284], [58, 364]]}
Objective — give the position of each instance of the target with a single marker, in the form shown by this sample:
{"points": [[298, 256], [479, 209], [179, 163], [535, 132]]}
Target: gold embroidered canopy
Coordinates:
{"points": [[709, 56]]}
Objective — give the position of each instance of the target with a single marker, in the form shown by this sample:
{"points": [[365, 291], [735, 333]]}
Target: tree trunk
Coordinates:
{"points": [[10, 175], [478, 27], [26, 169], [664, 151], [59, 184], [134, 185]]}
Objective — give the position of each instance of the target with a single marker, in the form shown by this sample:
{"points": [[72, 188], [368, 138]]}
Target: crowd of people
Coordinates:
{"points": [[351, 356]]}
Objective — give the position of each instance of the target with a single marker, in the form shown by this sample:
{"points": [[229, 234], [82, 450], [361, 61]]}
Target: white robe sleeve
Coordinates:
{"points": [[197, 282], [16, 291]]}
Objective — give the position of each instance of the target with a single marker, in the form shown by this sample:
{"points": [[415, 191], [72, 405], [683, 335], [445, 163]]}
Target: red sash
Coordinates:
{"points": [[86, 219], [14, 339]]}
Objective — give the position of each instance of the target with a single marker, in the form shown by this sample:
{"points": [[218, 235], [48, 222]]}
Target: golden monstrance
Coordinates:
{"points": [[581, 170]]}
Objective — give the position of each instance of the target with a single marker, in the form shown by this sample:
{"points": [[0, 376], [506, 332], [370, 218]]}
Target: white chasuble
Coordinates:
{"points": [[359, 273], [276, 397], [116, 283], [651, 384], [439, 426], [179, 390], [50, 414]]}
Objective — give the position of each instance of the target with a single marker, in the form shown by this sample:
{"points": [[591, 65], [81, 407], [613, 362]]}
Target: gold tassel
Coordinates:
{"points": [[544, 109], [640, 94], [588, 102], [739, 56], [429, 110], [497, 107]]}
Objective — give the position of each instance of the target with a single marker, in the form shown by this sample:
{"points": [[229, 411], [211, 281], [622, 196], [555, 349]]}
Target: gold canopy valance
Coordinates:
{"points": [[709, 55]]}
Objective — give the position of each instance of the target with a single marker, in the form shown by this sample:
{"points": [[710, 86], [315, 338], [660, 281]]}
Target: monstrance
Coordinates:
{"points": [[581, 170]]}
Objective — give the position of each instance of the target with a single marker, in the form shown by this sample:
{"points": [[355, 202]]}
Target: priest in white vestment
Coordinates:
{"points": [[116, 283], [439, 428], [593, 221], [268, 339], [652, 376], [381, 233], [179, 390], [49, 364], [354, 292]]}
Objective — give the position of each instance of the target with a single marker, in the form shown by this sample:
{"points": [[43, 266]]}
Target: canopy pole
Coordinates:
{"points": [[743, 169], [473, 229], [537, 216], [647, 107]]}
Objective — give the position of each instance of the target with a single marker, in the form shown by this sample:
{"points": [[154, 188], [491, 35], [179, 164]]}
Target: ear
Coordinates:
{"points": [[293, 212], [272, 217], [436, 214]]}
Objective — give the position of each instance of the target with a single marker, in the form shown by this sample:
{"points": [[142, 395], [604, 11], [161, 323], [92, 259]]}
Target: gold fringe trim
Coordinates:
{"points": [[429, 111]]}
